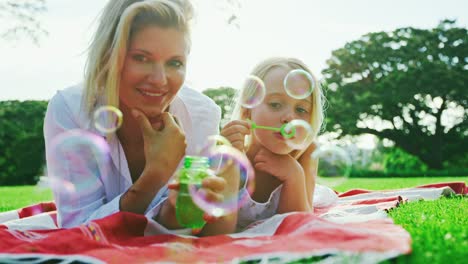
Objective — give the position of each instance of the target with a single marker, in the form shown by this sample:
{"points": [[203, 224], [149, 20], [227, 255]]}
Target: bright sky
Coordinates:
{"points": [[222, 55]]}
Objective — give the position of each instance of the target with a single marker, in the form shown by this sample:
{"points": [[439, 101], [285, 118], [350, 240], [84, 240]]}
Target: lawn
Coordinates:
{"points": [[438, 228]]}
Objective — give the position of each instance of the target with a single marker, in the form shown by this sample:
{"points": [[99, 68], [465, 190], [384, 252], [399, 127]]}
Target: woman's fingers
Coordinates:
{"points": [[168, 120], [142, 121], [216, 184], [211, 196], [209, 218], [174, 185]]}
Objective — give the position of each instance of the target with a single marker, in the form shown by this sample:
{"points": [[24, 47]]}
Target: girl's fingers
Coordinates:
{"points": [[236, 137], [238, 123], [238, 145], [233, 129]]}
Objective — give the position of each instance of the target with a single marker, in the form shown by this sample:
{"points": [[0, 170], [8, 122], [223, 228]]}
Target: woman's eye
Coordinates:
{"points": [[176, 64], [140, 58]]}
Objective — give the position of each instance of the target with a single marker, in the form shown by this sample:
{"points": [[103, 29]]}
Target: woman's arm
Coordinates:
{"points": [[225, 224], [79, 191], [159, 168]]}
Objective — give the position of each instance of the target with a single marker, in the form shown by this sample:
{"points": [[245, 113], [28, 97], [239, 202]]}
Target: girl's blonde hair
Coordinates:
{"points": [[262, 69], [119, 21]]}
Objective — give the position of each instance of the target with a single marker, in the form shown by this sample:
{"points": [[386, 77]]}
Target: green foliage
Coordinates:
{"points": [[397, 159], [21, 141], [408, 86], [223, 97]]}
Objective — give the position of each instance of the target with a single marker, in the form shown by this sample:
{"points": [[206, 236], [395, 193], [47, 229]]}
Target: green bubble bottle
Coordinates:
{"points": [[188, 214]]}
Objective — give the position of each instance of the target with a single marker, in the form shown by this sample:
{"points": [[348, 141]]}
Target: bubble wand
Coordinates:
{"points": [[281, 129]]}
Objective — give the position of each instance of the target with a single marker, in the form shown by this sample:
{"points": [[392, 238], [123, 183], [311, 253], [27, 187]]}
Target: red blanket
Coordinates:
{"points": [[356, 229]]}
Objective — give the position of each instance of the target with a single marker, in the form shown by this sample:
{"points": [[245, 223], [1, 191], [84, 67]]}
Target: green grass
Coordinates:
{"points": [[393, 183], [20, 196], [439, 229]]}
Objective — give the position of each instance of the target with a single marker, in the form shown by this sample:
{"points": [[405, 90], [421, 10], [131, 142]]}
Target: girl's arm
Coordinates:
{"points": [[310, 167], [294, 193], [294, 196]]}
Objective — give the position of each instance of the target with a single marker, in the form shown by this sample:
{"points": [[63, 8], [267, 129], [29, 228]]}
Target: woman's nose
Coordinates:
{"points": [[158, 75]]}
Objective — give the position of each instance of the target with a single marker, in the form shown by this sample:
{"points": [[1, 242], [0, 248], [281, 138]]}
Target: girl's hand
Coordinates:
{"points": [[235, 131], [164, 144], [283, 167]]}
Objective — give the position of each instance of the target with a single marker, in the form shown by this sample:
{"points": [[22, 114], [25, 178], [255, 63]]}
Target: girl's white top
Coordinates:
{"points": [[198, 115], [252, 211]]}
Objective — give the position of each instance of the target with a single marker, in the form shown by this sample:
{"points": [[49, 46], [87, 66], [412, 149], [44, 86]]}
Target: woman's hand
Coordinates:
{"points": [[164, 144], [235, 131], [283, 167], [212, 187]]}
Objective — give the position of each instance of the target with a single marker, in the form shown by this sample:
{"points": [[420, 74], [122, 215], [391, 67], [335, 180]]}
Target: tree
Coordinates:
{"points": [[21, 141], [223, 97], [408, 86], [22, 18]]}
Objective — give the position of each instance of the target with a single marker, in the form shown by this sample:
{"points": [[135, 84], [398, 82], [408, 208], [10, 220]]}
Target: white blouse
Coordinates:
{"points": [[198, 115], [252, 211]]}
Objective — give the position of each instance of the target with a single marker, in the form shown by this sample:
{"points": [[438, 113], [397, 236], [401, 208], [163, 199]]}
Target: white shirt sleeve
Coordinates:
{"points": [[79, 192]]}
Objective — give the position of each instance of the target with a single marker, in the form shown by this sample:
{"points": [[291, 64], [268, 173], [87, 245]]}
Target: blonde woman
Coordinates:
{"points": [[137, 63], [285, 177]]}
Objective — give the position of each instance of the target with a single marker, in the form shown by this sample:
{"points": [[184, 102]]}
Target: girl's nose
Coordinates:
{"points": [[158, 75], [287, 117]]}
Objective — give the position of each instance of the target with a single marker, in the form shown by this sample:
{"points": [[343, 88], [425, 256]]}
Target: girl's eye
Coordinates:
{"points": [[301, 110], [274, 105]]}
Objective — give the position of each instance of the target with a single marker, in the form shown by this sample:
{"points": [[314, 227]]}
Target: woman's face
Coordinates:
{"points": [[277, 109], [153, 70]]}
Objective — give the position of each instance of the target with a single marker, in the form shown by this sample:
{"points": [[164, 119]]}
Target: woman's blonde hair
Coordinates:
{"points": [[262, 69], [119, 21]]}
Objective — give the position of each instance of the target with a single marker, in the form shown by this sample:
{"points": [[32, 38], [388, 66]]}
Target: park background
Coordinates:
{"points": [[394, 73]]}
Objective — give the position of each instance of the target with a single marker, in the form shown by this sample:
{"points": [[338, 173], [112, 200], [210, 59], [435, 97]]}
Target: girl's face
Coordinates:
{"points": [[153, 70], [277, 109]]}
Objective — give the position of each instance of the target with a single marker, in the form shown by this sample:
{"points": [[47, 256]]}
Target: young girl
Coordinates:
{"points": [[284, 177]]}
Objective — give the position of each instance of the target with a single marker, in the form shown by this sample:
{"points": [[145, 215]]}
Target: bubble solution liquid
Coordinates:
{"points": [[193, 172]]}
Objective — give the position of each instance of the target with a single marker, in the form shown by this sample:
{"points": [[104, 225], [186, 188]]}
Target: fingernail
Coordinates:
{"points": [[173, 186], [209, 218], [196, 231]]}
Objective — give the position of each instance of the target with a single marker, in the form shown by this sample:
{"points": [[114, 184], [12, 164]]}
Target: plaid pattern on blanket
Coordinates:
{"points": [[356, 228]]}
